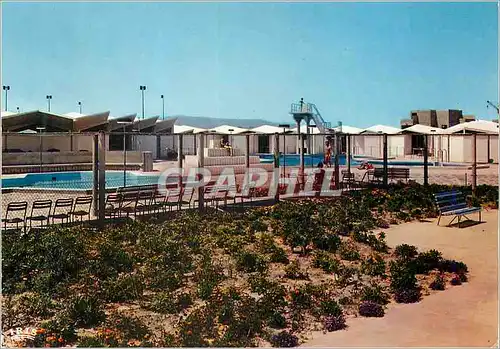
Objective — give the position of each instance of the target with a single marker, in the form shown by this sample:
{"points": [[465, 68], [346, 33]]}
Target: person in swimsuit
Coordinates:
{"points": [[328, 154]]}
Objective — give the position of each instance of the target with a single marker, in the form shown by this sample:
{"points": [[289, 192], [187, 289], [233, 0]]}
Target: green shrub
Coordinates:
{"points": [[293, 271], [349, 252], [330, 307], [427, 261], [111, 261], [250, 262], [324, 261], [438, 283], [374, 293], [265, 242], [378, 242], [125, 287], [371, 309], [90, 342], [278, 255], [374, 265], [276, 320], [407, 295], [402, 277], [405, 252], [85, 311], [167, 303], [327, 242]]}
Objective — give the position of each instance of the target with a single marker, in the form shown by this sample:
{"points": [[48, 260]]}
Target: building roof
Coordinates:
{"points": [[17, 122], [423, 129], [224, 129], [187, 129], [348, 129], [478, 126], [268, 129], [382, 129]]}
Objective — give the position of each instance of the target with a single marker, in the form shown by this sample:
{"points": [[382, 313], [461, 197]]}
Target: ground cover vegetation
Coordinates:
{"points": [[267, 276]]}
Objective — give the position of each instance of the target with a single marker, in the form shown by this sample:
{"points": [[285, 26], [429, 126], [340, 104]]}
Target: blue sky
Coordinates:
{"points": [[361, 63]]}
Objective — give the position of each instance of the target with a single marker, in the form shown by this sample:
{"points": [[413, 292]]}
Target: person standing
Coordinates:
{"points": [[328, 154]]}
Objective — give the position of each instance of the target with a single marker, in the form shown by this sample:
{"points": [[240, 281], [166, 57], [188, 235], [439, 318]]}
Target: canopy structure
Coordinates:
{"points": [[478, 126], [229, 130], [269, 129], [121, 122], [348, 129], [165, 126], [423, 129], [187, 129], [36, 119], [382, 129]]}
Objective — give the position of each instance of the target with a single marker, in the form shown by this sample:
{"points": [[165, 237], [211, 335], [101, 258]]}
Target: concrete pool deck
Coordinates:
{"points": [[461, 316]]}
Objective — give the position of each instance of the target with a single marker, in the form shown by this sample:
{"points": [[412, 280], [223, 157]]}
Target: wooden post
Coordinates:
{"points": [[102, 177], [336, 161], [426, 160], [201, 160], [95, 171], [474, 164], [158, 146], [246, 179], [385, 160], [180, 155], [348, 156], [276, 167]]}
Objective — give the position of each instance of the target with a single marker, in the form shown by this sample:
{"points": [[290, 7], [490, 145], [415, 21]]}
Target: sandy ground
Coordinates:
{"points": [[465, 315]]}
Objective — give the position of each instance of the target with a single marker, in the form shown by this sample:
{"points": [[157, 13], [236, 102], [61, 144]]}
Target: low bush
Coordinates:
{"points": [[427, 261], [334, 323], [371, 309], [438, 283], [165, 302], [402, 277], [330, 307], [250, 262], [378, 242], [452, 266], [276, 320], [327, 242], [456, 280], [301, 298], [278, 255], [325, 262], [126, 287], [348, 251], [407, 295], [374, 265], [405, 252], [284, 339], [85, 311], [293, 271], [374, 293]]}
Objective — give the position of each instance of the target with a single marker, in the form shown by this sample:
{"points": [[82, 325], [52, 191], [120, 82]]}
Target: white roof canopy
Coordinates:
{"points": [[423, 129], [480, 126], [269, 129], [225, 129], [187, 129], [312, 130], [382, 129], [348, 129]]}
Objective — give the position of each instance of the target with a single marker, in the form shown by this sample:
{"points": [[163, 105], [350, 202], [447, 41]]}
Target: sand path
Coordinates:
{"points": [[465, 315]]}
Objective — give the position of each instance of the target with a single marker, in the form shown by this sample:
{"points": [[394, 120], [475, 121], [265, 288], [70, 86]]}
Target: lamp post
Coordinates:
{"points": [[285, 127], [49, 98], [6, 89], [80, 106], [18, 111], [142, 88], [40, 130], [162, 107]]}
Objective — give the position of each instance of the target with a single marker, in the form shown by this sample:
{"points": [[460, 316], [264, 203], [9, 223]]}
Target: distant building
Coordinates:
{"points": [[436, 118]]}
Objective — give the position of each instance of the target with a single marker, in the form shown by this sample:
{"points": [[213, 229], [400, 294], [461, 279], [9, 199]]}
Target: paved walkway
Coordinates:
{"points": [[465, 315]]}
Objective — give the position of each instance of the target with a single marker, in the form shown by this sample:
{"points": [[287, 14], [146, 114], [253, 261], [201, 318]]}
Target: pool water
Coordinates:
{"points": [[311, 160], [76, 180]]}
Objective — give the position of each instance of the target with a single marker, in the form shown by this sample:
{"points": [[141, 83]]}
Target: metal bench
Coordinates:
{"points": [[393, 173], [453, 203]]}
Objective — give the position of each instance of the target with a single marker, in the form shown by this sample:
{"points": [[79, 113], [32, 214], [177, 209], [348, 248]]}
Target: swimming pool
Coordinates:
{"points": [[310, 160], [314, 159], [76, 180]]}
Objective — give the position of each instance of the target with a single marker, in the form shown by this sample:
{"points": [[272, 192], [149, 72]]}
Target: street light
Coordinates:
{"points": [[41, 129], [142, 88], [285, 127], [49, 97], [80, 106], [6, 89], [162, 107], [18, 111]]}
